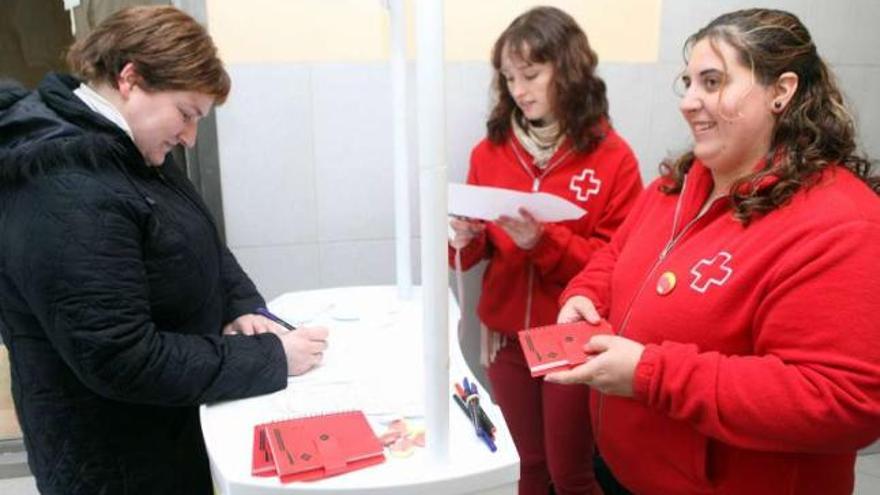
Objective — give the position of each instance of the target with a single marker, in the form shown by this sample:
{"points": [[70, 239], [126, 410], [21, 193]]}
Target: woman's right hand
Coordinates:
{"points": [[465, 230], [304, 348], [578, 308]]}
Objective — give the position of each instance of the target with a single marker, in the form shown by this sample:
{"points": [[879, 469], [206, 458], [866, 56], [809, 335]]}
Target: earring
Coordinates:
{"points": [[777, 105]]}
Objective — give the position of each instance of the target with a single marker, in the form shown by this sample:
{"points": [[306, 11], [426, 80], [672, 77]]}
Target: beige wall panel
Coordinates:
{"points": [[619, 30], [299, 30], [357, 30]]}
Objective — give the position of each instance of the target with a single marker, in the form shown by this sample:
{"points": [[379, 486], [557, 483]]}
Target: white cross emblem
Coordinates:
{"points": [[586, 178], [717, 271]]}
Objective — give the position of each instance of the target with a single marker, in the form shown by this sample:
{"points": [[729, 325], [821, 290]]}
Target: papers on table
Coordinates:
{"points": [[489, 203], [350, 376]]}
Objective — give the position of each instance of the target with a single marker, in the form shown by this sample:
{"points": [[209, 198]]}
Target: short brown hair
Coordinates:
{"points": [[814, 131], [549, 35], [169, 50]]}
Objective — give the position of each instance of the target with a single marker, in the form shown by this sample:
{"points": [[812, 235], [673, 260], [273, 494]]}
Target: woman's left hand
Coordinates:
{"points": [[525, 232], [610, 370], [252, 324]]}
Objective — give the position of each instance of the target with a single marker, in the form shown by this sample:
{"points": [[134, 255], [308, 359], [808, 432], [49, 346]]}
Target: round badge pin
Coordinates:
{"points": [[666, 283]]}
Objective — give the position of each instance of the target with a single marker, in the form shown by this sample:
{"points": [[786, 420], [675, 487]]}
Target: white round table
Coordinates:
{"points": [[373, 363]]}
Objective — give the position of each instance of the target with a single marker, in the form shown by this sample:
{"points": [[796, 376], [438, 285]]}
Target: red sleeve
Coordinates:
{"points": [[560, 253], [479, 248], [471, 254], [813, 383]]}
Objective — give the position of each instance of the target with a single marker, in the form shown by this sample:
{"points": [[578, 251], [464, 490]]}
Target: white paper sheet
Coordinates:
{"points": [[363, 331], [489, 203]]}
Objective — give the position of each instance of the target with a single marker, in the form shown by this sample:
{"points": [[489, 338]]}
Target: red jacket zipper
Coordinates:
{"points": [[673, 240]]}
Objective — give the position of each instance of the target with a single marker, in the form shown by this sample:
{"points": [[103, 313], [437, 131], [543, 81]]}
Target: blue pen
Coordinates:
{"points": [[471, 408], [486, 439], [471, 405], [482, 417], [268, 314], [478, 410]]}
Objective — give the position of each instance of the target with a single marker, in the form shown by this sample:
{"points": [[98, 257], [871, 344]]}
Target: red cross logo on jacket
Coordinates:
{"points": [[585, 184], [709, 271]]}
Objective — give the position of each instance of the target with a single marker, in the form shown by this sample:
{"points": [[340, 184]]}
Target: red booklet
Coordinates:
{"points": [[558, 347], [262, 463], [315, 447]]}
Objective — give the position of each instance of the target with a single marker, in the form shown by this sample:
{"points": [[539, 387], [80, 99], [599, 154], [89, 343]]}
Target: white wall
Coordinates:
{"points": [[305, 141], [305, 144]]}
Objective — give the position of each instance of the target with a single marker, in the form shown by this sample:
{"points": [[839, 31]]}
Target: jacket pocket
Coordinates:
{"points": [[651, 453], [77, 471]]}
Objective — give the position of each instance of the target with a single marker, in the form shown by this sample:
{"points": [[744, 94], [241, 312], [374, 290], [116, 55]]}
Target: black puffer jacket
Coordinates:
{"points": [[114, 288]]}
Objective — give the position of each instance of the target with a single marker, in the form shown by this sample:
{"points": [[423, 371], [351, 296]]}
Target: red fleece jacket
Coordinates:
{"points": [[521, 287], [761, 371]]}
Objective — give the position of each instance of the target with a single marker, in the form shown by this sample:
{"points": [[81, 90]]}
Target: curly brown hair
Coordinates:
{"points": [[549, 35], [169, 50], [814, 131]]}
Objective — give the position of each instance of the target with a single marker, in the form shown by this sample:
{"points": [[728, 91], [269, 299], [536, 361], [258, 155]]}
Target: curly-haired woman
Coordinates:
{"points": [[744, 288], [549, 131]]}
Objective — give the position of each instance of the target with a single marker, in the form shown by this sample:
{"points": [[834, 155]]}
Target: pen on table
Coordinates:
{"points": [[481, 432], [461, 404], [469, 402], [487, 423], [488, 427], [472, 411], [461, 392], [481, 414], [473, 400], [268, 314], [487, 439]]}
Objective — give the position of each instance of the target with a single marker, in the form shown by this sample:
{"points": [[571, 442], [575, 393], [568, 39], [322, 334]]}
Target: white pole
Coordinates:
{"points": [[432, 188], [401, 155]]}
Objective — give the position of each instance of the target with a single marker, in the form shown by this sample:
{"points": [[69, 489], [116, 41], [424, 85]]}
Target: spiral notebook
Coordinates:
{"points": [[315, 447], [558, 347]]}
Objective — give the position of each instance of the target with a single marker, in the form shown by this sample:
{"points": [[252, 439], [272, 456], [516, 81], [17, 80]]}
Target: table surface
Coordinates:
{"points": [[373, 363]]}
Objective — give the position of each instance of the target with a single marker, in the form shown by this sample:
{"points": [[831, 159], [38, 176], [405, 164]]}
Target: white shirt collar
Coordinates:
{"points": [[100, 105]]}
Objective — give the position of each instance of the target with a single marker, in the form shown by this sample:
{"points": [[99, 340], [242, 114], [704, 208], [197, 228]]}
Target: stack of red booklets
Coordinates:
{"points": [[558, 347], [315, 447]]}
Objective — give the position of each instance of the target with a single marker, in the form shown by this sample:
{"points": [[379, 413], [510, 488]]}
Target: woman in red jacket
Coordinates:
{"points": [[744, 288], [548, 132]]}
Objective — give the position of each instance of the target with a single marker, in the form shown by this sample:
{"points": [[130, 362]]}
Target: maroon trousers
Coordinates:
{"points": [[550, 426]]}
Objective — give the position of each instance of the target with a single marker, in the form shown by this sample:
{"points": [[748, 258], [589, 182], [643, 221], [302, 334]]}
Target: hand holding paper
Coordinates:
{"points": [[525, 232], [464, 230], [491, 203]]}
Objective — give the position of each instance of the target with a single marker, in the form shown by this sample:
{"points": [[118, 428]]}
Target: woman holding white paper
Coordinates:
{"points": [[548, 131]]}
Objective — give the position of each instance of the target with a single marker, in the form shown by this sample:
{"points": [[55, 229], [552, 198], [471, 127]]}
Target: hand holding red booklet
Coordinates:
{"points": [[558, 347]]}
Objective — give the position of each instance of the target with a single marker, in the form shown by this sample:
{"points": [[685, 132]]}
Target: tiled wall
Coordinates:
{"points": [[306, 151]]}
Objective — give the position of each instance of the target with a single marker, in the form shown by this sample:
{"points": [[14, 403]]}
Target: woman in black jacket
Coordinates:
{"points": [[121, 308]]}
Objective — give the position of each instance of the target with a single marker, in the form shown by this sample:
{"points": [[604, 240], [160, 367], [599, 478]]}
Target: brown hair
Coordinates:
{"points": [[814, 131], [169, 50], [549, 35]]}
